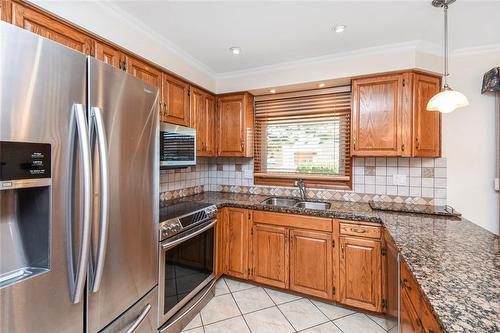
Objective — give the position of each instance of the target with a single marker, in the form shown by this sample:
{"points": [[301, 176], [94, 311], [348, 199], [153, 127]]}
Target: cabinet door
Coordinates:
{"points": [[237, 227], [409, 317], [360, 273], [270, 255], [199, 119], [219, 243], [108, 54], [311, 270], [143, 71], [428, 320], [210, 148], [376, 119], [45, 26], [231, 126], [426, 124], [5, 10], [175, 96]]}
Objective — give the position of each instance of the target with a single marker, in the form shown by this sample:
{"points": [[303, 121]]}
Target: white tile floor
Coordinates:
{"points": [[240, 307]]}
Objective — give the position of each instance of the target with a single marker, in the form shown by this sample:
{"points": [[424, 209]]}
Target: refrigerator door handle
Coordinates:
{"points": [[139, 319], [78, 284], [102, 145]]}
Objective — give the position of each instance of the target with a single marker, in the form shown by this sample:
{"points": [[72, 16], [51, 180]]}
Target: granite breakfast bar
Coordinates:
{"points": [[455, 262]]}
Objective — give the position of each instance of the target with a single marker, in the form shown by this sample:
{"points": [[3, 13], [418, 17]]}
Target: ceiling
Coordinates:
{"points": [[275, 32]]}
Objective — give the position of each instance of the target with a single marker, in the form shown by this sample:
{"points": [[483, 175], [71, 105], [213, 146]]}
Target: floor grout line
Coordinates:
{"points": [[275, 304], [337, 326], [241, 312]]}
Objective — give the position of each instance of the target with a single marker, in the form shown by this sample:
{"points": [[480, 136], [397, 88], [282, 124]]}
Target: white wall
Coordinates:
{"points": [[469, 142], [103, 20]]}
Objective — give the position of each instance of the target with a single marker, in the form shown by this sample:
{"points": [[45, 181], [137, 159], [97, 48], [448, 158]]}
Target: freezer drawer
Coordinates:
{"points": [[140, 318]]}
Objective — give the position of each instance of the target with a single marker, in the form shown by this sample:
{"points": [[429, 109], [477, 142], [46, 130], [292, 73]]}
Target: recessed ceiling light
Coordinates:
{"points": [[272, 91], [339, 28], [321, 85], [235, 50]]}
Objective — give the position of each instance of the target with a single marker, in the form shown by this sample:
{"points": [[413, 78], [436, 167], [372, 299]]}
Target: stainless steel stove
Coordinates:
{"points": [[187, 258]]}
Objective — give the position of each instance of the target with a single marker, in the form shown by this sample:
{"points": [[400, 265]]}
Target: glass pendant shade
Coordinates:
{"points": [[447, 100]]}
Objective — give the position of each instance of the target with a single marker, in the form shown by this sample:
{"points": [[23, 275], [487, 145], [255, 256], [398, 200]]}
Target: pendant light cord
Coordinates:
{"points": [[445, 45]]}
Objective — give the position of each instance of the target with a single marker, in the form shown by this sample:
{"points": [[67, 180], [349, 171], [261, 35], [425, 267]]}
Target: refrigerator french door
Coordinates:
{"points": [[78, 250]]}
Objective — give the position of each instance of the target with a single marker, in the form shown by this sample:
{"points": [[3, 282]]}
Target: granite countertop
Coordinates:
{"points": [[455, 262]]}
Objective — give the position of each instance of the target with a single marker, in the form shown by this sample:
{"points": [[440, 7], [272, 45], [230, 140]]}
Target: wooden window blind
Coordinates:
{"points": [[304, 135]]}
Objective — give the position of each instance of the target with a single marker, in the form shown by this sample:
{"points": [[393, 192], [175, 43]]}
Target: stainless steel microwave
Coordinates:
{"points": [[177, 146]]}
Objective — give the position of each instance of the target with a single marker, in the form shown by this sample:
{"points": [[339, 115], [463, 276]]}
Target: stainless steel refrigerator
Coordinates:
{"points": [[78, 240]]}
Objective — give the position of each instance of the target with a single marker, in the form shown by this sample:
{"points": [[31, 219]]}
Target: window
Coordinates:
{"points": [[304, 135]]}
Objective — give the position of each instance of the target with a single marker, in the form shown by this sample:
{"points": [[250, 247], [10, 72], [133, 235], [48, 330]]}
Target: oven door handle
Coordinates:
{"points": [[166, 245]]}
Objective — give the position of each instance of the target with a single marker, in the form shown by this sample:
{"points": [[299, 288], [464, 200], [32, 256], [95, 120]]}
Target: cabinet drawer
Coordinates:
{"points": [[409, 284], [293, 221], [359, 230]]}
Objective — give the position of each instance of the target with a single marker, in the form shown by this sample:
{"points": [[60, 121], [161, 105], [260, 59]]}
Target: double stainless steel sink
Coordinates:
{"points": [[290, 202]]}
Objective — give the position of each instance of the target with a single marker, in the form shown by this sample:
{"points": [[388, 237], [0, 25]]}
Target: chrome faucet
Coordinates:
{"points": [[302, 188]]}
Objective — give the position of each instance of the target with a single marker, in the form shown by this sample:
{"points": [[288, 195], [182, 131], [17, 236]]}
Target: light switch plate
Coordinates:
{"points": [[399, 180]]}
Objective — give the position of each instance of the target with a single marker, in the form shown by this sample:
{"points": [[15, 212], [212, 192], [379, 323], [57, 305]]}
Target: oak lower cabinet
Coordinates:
{"points": [[5, 10], [37, 22], [360, 280], [203, 120], [237, 224], [235, 125], [311, 263], [270, 255], [389, 116], [410, 323]]}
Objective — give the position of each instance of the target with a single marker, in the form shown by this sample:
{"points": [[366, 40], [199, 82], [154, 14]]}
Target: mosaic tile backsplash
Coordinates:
{"points": [[392, 179]]}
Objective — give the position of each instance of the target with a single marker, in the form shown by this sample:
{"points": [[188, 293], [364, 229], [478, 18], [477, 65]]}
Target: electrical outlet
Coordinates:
{"points": [[399, 180]]}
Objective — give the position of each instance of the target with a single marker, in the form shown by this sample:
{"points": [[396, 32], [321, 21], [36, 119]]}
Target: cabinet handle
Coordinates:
{"points": [[354, 142], [405, 284], [403, 147], [418, 143], [342, 250], [242, 146], [359, 231]]}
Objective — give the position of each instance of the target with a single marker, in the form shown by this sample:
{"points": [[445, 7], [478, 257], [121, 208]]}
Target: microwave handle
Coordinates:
{"points": [[168, 245]]}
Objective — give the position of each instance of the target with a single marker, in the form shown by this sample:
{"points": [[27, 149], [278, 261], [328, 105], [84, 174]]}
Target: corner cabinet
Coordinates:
{"points": [[235, 125], [389, 116], [203, 119]]}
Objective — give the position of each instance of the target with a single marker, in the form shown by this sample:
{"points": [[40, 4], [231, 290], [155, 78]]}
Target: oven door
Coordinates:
{"points": [[177, 146], [186, 266]]}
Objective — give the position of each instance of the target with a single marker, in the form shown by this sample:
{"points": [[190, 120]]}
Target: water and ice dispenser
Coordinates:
{"points": [[25, 183]]}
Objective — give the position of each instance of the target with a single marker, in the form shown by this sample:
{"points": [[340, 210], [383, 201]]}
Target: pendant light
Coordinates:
{"points": [[447, 100]]}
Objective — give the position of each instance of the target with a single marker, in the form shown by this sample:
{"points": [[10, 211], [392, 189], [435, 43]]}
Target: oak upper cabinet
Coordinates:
{"points": [[375, 116], [426, 125], [237, 223], [389, 116], [203, 119], [143, 71], [45, 26], [235, 125], [175, 100], [109, 55], [270, 255], [5, 10], [311, 270], [360, 280]]}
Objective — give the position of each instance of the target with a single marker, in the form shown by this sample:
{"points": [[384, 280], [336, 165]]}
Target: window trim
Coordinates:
{"points": [[311, 181]]}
